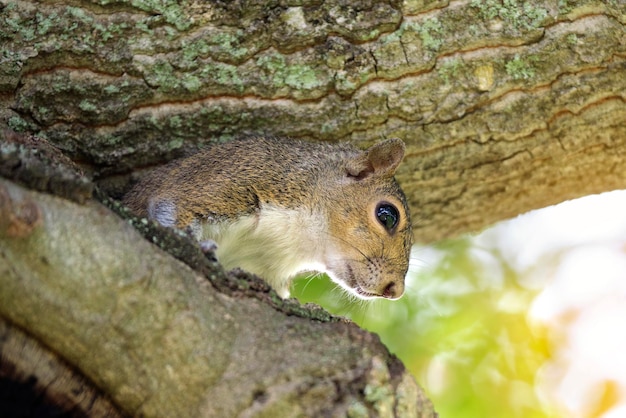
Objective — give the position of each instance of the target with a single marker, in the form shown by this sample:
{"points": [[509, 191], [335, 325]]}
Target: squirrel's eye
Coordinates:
{"points": [[387, 215]]}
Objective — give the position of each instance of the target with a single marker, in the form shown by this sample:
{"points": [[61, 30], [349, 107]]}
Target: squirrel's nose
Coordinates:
{"points": [[393, 290]]}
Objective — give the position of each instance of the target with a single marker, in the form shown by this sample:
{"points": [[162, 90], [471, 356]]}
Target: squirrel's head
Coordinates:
{"points": [[370, 227]]}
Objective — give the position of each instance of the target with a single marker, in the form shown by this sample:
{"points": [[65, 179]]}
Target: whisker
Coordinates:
{"points": [[415, 221], [360, 310], [310, 278]]}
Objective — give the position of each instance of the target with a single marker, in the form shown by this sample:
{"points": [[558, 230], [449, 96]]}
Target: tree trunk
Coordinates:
{"points": [[504, 106]]}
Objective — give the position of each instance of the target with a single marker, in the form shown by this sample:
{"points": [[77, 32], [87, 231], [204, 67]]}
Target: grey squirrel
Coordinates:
{"points": [[277, 207]]}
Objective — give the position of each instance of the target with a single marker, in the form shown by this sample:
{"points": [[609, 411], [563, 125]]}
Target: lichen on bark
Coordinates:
{"points": [[120, 85]]}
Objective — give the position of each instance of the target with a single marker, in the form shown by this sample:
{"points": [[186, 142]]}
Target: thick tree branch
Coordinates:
{"points": [[161, 341], [518, 105]]}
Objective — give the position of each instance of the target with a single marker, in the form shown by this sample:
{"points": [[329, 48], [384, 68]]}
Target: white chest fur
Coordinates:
{"points": [[275, 243]]}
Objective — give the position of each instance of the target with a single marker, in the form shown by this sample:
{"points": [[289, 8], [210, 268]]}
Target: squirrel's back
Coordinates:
{"points": [[238, 176]]}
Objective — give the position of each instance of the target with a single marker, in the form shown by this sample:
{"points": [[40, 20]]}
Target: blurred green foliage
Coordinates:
{"points": [[461, 329]]}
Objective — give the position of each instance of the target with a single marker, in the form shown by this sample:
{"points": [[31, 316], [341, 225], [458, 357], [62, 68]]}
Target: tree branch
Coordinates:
{"points": [[517, 105], [161, 341]]}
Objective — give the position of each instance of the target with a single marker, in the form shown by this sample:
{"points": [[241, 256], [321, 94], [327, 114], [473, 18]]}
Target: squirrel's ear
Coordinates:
{"points": [[379, 160]]}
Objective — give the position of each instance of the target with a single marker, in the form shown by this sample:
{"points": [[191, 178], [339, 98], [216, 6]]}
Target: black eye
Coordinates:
{"points": [[387, 215]]}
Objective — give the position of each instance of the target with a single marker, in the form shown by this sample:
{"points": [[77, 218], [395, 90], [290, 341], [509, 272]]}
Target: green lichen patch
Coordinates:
{"points": [[19, 124], [173, 12], [302, 77], [272, 69], [521, 68], [229, 45], [415, 45], [269, 75], [518, 16], [292, 75], [430, 31], [450, 69]]}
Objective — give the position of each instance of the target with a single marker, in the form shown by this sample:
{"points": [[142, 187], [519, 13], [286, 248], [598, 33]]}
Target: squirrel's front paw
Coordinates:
{"points": [[209, 247]]}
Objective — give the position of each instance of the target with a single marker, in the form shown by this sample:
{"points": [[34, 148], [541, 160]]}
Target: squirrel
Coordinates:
{"points": [[277, 207]]}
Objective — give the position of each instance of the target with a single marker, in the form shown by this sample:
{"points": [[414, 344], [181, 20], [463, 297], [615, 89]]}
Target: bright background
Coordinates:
{"points": [[527, 319]]}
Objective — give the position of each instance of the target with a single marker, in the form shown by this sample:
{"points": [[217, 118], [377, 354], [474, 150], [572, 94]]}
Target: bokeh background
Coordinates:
{"points": [[526, 319]]}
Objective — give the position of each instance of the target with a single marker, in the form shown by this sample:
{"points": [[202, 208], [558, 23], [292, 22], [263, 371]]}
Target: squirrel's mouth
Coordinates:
{"points": [[353, 284], [364, 294]]}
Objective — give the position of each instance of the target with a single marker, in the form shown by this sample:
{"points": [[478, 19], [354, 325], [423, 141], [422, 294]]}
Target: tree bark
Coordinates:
{"points": [[520, 106], [505, 107], [159, 340]]}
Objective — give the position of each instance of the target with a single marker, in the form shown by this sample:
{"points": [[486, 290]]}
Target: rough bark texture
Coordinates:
{"points": [[160, 341], [36, 383], [504, 106]]}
